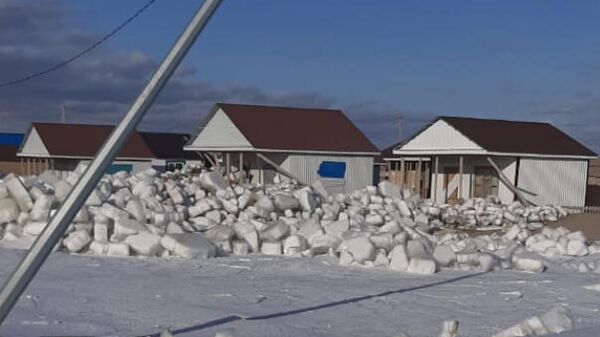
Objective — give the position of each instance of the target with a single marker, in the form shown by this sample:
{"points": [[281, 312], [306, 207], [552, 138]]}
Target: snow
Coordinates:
{"points": [[282, 296]]}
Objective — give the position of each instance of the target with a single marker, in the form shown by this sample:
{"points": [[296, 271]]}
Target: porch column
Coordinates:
{"points": [[418, 177], [22, 167], [216, 159], [28, 166], [259, 170], [460, 177], [426, 179], [242, 173], [436, 167], [401, 172], [388, 167], [227, 164]]}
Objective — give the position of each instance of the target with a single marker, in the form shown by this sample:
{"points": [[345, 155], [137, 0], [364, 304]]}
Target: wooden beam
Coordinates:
{"points": [[402, 173], [460, 176], [435, 177], [418, 177], [210, 159], [259, 170], [508, 184], [217, 165], [241, 172], [227, 164], [280, 169], [426, 179]]}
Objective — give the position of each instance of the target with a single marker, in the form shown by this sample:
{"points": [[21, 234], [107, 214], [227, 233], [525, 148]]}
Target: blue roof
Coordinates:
{"points": [[11, 139]]}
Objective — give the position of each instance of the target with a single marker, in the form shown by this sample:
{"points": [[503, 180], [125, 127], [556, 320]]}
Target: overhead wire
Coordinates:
{"points": [[81, 53]]}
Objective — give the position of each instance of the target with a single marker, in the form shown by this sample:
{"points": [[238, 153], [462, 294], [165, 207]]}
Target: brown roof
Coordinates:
{"points": [[84, 140], [9, 153], [298, 129], [168, 145], [518, 137]]}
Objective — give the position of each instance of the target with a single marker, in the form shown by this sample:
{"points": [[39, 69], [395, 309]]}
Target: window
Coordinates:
{"points": [[332, 169], [174, 165]]}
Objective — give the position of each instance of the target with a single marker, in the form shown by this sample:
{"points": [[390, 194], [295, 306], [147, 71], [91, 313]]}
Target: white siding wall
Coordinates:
{"points": [[560, 182], [220, 132], [137, 166], [359, 170], [440, 136], [34, 146], [506, 164]]}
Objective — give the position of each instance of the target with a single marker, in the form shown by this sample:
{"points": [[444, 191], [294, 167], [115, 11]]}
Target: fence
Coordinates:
{"points": [[585, 209]]}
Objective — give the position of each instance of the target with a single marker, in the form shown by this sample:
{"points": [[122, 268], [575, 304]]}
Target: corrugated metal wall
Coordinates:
{"points": [[560, 182], [359, 170]]}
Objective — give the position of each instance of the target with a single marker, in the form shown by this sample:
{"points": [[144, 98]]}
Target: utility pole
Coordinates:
{"points": [[63, 114], [43, 245], [400, 117]]}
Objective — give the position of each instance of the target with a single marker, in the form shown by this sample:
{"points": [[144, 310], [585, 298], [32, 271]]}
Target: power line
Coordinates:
{"points": [[81, 53]]}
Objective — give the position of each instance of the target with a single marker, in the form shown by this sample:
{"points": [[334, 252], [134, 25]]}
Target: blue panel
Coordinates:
{"points": [[114, 168], [332, 169], [11, 139]]}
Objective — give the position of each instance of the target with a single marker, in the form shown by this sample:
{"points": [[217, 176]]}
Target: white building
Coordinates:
{"points": [[61, 147], [305, 144], [535, 160]]}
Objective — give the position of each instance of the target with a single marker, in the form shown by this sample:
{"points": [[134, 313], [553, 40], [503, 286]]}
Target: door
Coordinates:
{"points": [[485, 182], [451, 184]]}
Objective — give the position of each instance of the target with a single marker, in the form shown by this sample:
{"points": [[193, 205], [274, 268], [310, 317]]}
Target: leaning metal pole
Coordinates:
{"points": [[41, 248]]}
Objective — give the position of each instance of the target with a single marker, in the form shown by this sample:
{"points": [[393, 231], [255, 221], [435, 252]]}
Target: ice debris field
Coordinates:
{"points": [[213, 257]]}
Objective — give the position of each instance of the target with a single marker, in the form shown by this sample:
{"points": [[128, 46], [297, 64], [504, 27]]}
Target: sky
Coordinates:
{"points": [[377, 61]]}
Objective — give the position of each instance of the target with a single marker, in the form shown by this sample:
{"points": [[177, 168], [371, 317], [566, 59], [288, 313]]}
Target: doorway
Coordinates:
{"points": [[486, 181], [451, 184]]}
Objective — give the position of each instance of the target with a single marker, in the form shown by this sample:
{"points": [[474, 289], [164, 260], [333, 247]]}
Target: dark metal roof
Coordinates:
{"points": [[9, 153], [84, 140], [168, 145], [518, 137], [297, 129]]}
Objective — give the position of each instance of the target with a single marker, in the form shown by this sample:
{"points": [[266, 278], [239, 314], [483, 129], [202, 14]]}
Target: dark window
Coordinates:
{"points": [[174, 165]]}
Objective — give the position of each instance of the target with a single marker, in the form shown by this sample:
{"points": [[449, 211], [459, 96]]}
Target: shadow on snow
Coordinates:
{"points": [[233, 318]]}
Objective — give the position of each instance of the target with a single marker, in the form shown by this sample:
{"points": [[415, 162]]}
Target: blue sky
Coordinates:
{"points": [[524, 60]]}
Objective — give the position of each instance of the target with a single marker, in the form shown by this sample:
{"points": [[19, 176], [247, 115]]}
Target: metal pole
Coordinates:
{"points": [[281, 169], [41, 248]]}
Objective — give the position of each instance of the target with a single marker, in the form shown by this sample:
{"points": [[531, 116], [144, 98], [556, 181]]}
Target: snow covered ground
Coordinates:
{"points": [[279, 296]]}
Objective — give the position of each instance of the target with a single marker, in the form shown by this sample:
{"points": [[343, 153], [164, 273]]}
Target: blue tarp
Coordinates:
{"points": [[11, 139], [332, 169]]}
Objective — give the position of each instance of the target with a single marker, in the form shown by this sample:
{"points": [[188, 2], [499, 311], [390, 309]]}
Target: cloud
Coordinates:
{"points": [[578, 117], [100, 87], [386, 124]]}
